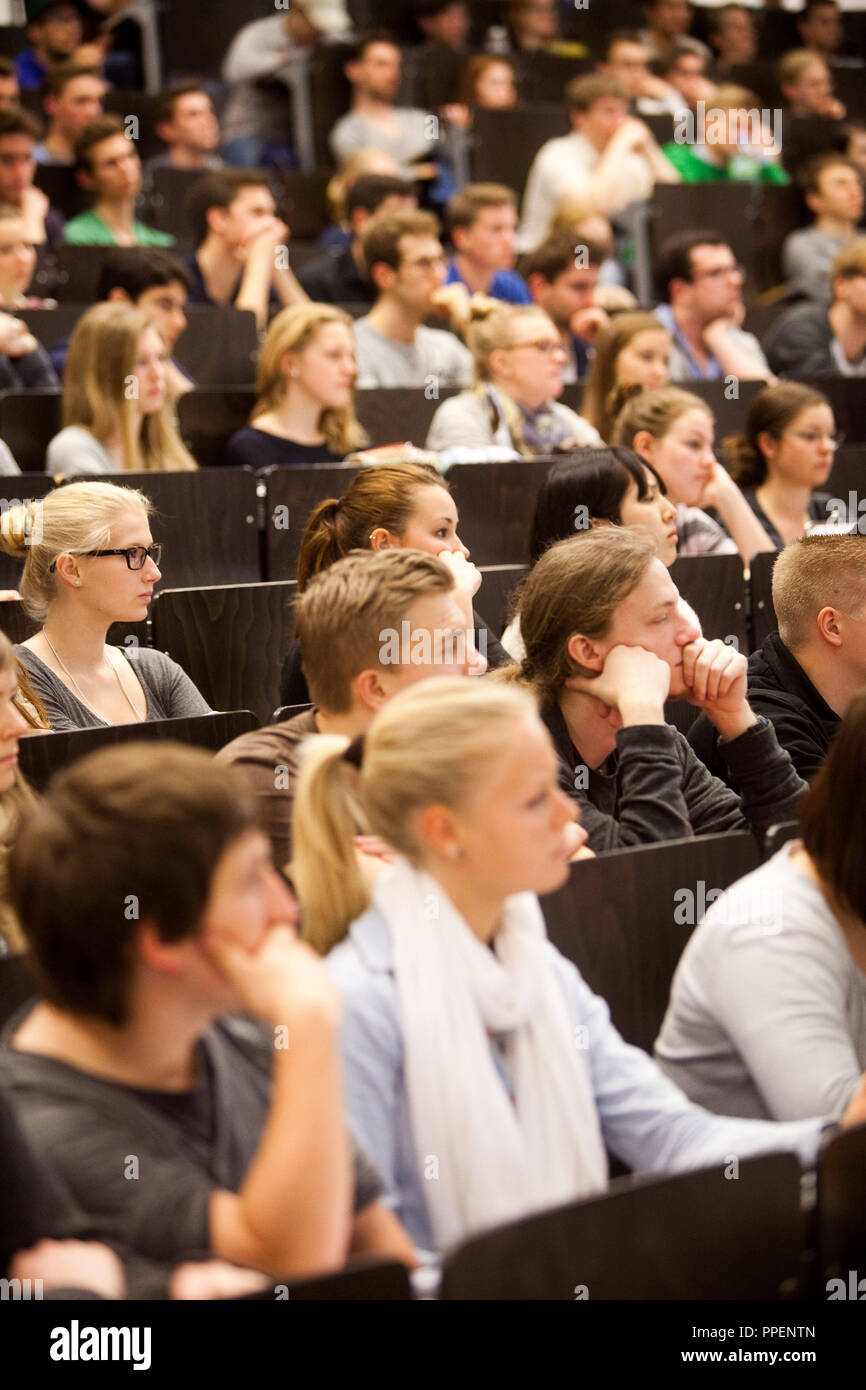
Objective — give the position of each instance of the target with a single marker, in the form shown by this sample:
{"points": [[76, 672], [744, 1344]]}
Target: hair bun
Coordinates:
{"points": [[20, 527]]}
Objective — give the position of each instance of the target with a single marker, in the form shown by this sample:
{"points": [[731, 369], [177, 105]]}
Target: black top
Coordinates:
{"points": [[780, 690], [798, 342], [252, 448], [817, 512], [198, 292], [333, 278]]}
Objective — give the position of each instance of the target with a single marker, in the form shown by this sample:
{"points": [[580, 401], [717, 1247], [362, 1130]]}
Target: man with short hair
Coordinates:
{"points": [[726, 141], [480, 222], [184, 120], [805, 676], [686, 74], [242, 251], [374, 70], [18, 135], [820, 26], [340, 276], [393, 345], [814, 340], [55, 30], [834, 193], [610, 158], [562, 275], [107, 164], [179, 1072], [352, 667], [10, 92], [733, 34], [626, 60], [699, 286], [667, 21], [72, 96]]}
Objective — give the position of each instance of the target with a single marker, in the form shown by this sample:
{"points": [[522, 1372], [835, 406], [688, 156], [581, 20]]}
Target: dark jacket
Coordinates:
{"points": [[780, 690], [798, 342]]}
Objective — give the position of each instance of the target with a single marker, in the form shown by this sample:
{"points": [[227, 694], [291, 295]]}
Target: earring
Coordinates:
{"points": [[78, 583]]}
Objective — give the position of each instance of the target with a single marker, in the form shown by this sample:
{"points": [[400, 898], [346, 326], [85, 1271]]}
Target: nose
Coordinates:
{"points": [[564, 811], [283, 906], [152, 569], [688, 629], [458, 545]]}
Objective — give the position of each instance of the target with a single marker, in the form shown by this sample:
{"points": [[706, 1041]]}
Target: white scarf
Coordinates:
{"points": [[483, 1159]]}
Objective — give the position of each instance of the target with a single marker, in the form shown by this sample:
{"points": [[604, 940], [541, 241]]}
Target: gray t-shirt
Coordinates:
{"points": [[76, 450], [767, 1016], [807, 256], [414, 138], [143, 1164], [435, 357], [169, 691]]}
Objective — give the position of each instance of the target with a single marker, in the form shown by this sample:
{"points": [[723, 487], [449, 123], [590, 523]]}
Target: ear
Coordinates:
{"points": [[498, 361], [644, 444], [438, 831], [380, 539], [537, 285], [585, 652], [368, 689], [163, 957], [84, 179], [678, 287], [287, 363], [216, 220], [67, 570], [458, 238], [812, 200], [49, 106], [767, 444], [382, 275], [829, 627], [165, 131]]}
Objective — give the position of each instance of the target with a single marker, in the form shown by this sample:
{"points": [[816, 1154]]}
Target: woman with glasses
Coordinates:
{"points": [[518, 357], [90, 561], [116, 413], [783, 457]]}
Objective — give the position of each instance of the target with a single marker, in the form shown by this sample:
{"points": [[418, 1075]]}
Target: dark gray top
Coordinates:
{"points": [[187, 1144], [170, 692]]}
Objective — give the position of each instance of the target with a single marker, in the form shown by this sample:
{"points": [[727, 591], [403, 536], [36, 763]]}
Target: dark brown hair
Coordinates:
{"points": [[771, 412]]}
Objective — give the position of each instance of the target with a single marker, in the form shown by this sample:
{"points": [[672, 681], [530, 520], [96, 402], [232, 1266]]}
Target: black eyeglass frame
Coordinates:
{"points": [[151, 552]]}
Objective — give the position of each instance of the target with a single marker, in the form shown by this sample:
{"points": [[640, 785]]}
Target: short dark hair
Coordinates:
{"points": [[100, 854], [58, 77], [15, 121], [7, 67], [674, 259], [219, 189], [369, 191], [558, 253], [357, 50], [135, 269], [621, 36], [165, 103], [102, 128], [381, 240]]}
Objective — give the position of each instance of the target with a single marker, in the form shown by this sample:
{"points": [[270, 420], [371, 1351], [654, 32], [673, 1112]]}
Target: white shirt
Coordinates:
{"points": [[568, 165]]}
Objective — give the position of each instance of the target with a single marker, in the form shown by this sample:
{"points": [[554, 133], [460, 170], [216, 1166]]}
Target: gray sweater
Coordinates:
{"points": [[170, 692], [767, 1016]]}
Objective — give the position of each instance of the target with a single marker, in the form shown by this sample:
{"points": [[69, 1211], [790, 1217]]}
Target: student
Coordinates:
{"points": [[632, 349], [486, 81], [563, 276], [71, 95], [351, 669], [95, 564], [807, 85], [782, 458], [116, 412], [480, 222], [767, 1015], [597, 487], [805, 676], [394, 346], [149, 1020], [108, 166], [610, 156], [374, 72], [699, 288], [834, 193], [24, 363], [341, 277], [461, 779], [674, 431], [185, 122], [238, 237], [820, 26], [732, 32], [814, 340], [395, 506], [10, 93], [626, 59], [518, 359], [18, 136], [55, 30], [667, 21], [724, 145], [304, 411], [607, 643], [16, 798]]}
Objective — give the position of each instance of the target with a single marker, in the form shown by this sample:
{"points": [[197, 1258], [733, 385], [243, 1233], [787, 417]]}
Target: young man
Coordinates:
{"points": [[180, 1073], [626, 60], [55, 30], [241, 245], [714, 148], [107, 164], [393, 345], [807, 85], [443, 23], [374, 71], [700, 286], [834, 193], [340, 277], [563, 277], [667, 21], [813, 340], [820, 26], [18, 136], [340, 619], [609, 158], [480, 222], [10, 92], [733, 34], [72, 96], [805, 675], [184, 120]]}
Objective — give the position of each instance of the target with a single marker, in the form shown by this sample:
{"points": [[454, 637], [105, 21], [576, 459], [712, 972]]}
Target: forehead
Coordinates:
{"points": [[113, 147], [649, 340], [20, 145], [576, 277], [495, 212], [703, 256], [695, 421], [83, 87], [381, 53], [624, 51], [655, 589], [814, 416], [175, 289], [192, 101], [415, 248], [608, 106], [331, 335], [251, 196], [131, 526], [433, 503]]}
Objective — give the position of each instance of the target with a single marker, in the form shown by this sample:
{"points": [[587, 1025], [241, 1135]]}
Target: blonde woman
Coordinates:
{"points": [[632, 348], [89, 561], [116, 414], [304, 412], [459, 1019], [518, 357]]}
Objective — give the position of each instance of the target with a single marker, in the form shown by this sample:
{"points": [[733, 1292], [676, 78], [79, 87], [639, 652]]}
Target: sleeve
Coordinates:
{"points": [[293, 684], [274, 805], [796, 732], [345, 139], [178, 695], [651, 802], [798, 345], [585, 435], [368, 1184], [649, 1123], [459, 423], [32, 1204], [770, 788], [238, 452], [34, 370], [75, 451], [704, 742], [255, 53], [782, 1004], [544, 188], [701, 534]]}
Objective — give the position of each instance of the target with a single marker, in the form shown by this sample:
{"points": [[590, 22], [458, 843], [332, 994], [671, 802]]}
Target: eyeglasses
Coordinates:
{"points": [[135, 555], [545, 345], [812, 437]]}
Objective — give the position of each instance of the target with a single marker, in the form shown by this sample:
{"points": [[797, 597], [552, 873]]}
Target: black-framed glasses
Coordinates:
{"points": [[135, 555]]}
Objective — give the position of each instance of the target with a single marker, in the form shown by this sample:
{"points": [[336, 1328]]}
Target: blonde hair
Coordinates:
{"points": [[293, 330], [366, 161], [15, 804], [794, 63], [653, 411], [101, 364], [69, 520], [492, 327], [813, 573], [429, 745]]}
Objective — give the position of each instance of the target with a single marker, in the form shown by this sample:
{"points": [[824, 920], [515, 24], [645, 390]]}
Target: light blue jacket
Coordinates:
{"points": [[645, 1119]]}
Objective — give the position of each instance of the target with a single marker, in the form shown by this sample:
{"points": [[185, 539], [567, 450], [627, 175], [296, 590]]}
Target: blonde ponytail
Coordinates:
{"points": [[325, 820]]}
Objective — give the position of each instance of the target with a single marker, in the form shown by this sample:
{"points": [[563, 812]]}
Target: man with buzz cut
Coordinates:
{"points": [[805, 676], [341, 621]]}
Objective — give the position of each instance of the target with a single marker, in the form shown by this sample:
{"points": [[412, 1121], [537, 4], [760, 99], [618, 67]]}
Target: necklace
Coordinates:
{"points": [[62, 664]]}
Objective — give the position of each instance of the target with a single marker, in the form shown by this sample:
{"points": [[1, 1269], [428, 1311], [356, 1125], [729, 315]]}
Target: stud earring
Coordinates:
{"points": [[78, 583]]}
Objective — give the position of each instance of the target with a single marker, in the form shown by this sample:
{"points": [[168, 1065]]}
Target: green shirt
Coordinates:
{"points": [[692, 169], [88, 229]]}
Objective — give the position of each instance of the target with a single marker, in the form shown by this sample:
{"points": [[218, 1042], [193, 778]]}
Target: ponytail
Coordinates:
{"points": [[325, 820], [746, 464], [320, 545]]}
